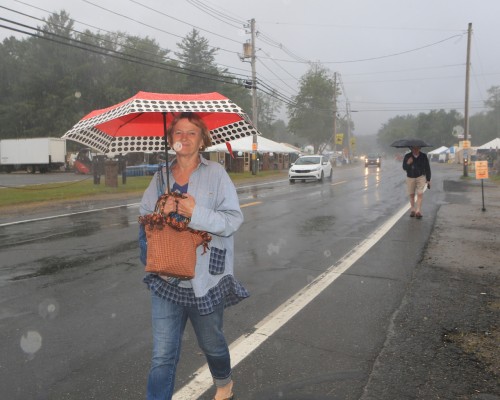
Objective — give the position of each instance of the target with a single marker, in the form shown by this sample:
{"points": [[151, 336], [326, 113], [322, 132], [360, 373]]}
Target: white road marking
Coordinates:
{"points": [[246, 344], [93, 210], [68, 214], [337, 183]]}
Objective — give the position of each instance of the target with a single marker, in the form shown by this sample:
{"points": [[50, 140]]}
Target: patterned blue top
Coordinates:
{"points": [[217, 211]]}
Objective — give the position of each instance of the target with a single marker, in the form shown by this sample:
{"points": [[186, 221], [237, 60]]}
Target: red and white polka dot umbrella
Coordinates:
{"points": [[137, 125]]}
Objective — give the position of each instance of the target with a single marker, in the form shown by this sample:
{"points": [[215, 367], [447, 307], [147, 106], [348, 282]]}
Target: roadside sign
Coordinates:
{"points": [[339, 138], [465, 144], [481, 169]]}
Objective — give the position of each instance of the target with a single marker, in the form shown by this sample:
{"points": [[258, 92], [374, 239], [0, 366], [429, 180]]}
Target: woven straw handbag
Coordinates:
{"points": [[171, 243]]}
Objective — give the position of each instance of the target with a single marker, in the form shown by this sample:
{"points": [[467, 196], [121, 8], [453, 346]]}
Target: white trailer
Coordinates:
{"points": [[36, 154]]}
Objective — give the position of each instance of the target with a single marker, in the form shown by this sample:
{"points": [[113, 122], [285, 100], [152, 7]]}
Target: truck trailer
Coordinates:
{"points": [[31, 155]]}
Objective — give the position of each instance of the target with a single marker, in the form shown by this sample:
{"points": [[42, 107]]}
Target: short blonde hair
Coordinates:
{"points": [[195, 119]]}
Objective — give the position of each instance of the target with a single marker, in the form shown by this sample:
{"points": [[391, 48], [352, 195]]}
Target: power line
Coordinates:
{"points": [[358, 27], [405, 70], [277, 76], [263, 37], [165, 15], [411, 109], [216, 14], [71, 42], [383, 56], [119, 55], [102, 39], [280, 46], [74, 43]]}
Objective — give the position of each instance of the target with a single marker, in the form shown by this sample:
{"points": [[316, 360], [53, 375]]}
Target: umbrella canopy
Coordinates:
{"points": [[410, 142], [138, 125]]}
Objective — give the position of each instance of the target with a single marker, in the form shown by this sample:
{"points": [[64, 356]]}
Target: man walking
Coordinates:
{"points": [[418, 174]]}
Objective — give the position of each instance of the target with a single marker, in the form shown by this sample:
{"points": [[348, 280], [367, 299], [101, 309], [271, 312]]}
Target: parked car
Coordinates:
{"points": [[315, 167], [373, 159]]}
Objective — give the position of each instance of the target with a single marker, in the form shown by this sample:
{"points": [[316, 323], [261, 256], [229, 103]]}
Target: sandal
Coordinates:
{"points": [[230, 397], [412, 214], [418, 215]]}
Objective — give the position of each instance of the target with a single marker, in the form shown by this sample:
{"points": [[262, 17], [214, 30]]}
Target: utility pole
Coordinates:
{"points": [[254, 98], [466, 110], [348, 131], [335, 113]]}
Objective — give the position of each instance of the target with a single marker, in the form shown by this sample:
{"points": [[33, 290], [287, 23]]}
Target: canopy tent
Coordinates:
{"points": [[439, 150], [492, 144], [244, 145]]}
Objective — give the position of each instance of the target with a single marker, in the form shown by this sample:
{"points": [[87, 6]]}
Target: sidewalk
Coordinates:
{"points": [[444, 342]]}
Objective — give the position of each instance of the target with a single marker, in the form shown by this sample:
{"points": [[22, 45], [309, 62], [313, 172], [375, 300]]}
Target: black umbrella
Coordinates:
{"points": [[410, 142]]}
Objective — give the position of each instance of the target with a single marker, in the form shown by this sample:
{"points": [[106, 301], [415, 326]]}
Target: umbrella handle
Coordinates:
{"points": [[164, 114]]}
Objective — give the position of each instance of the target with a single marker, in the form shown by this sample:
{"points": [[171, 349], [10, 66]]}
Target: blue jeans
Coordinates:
{"points": [[169, 321]]}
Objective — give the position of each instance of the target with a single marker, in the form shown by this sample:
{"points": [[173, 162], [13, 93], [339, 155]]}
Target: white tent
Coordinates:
{"points": [[439, 150], [244, 145], [492, 144]]}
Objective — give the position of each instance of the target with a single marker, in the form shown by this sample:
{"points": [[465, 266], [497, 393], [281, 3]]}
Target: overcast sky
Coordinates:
{"points": [[393, 57]]}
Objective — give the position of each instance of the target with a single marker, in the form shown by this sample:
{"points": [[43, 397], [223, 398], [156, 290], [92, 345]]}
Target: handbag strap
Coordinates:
{"points": [[173, 219]]}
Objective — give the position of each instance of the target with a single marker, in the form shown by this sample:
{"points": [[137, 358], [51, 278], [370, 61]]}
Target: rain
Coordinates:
{"points": [[341, 280]]}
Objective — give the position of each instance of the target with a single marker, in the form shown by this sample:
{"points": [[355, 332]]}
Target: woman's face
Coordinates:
{"points": [[186, 137]]}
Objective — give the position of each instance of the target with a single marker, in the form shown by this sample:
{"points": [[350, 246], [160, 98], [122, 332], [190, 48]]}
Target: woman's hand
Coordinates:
{"points": [[185, 206], [170, 205]]}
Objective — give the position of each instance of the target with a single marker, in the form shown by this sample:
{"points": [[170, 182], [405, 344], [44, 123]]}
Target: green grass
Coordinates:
{"points": [[85, 189]]}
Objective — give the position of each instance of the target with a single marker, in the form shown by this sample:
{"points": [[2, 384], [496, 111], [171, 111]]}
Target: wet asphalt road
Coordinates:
{"points": [[74, 314]]}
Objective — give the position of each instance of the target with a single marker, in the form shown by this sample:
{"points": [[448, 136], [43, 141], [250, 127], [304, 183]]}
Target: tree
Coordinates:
{"points": [[481, 128], [486, 126], [148, 69], [12, 55], [311, 114], [43, 68], [201, 73], [436, 127], [493, 101], [397, 128], [198, 60], [268, 106]]}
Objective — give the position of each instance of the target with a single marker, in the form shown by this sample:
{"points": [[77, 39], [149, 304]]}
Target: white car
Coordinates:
{"points": [[310, 167]]}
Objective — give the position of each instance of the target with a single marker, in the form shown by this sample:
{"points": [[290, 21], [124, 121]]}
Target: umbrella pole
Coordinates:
{"points": [[166, 149]]}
